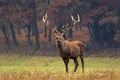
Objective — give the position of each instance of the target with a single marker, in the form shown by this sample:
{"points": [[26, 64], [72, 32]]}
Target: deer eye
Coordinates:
{"points": [[55, 31], [62, 31]]}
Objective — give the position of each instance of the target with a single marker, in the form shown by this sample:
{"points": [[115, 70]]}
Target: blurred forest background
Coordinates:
{"points": [[22, 30]]}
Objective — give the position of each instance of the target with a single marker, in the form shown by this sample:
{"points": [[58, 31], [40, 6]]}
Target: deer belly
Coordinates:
{"points": [[74, 53], [65, 53]]}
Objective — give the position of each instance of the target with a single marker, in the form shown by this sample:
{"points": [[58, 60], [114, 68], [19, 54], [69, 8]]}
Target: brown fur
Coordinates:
{"points": [[77, 48], [71, 50]]}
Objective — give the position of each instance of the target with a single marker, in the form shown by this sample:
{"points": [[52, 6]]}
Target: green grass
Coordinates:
{"points": [[17, 63], [39, 66]]}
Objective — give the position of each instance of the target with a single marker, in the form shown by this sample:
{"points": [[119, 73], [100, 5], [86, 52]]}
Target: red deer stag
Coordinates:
{"points": [[68, 49]]}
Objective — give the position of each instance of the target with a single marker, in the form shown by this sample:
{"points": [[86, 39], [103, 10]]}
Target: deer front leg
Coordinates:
{"points": [[66, 61], [76, 64]]}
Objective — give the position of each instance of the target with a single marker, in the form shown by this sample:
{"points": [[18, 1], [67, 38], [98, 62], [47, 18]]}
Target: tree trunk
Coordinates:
{"points": [[49, 37], [3, 28], [13, 34], [96, 31], [91, 34], [70, 35], [28, 34], [49, 1], [118, 6], [45, 31], [36, 33], [34, 25]]}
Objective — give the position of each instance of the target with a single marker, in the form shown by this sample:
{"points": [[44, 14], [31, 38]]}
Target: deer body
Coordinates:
{"points": [[68, 49]]}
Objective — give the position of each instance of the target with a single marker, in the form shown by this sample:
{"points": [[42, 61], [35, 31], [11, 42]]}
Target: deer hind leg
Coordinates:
{"points": [[76, 64], [82, 61], [66, 61]]}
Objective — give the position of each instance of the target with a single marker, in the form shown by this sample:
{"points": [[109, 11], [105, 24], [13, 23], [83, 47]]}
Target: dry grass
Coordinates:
{"points": [[96, 75]]}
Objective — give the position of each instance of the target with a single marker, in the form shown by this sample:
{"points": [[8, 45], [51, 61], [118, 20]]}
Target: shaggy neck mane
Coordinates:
{"points": [[60, 45]]}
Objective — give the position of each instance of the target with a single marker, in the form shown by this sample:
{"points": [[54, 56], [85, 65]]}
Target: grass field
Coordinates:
{"points": [[17, 67]]}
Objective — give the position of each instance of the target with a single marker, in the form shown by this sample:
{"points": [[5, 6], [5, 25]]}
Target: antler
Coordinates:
{"points": [[44, 19], [74, 21]]}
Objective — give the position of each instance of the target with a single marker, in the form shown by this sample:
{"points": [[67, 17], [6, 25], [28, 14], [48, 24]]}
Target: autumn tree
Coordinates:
{"points": [[17, 15], [8, 20], [101, 21]]}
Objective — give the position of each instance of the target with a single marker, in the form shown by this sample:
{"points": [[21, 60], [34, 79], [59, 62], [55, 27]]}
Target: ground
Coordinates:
{"points": [[24, 67]]}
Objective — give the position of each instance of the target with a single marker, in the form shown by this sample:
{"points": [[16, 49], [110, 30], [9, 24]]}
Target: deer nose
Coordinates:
{"points": [[57, 37]]}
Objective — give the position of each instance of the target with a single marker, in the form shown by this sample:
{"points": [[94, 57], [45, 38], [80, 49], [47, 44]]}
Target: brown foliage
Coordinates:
{"points": [[96, 12], [108, 20]]}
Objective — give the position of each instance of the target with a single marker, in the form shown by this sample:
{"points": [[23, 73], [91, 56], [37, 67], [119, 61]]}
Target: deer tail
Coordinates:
{"points": [[82, 48]]}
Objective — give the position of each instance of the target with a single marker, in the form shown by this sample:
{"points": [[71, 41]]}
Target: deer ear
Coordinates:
{"points": [[54, 30]]}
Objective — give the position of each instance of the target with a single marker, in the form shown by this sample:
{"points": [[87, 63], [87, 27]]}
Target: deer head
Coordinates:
{"points": [[59, 35]]}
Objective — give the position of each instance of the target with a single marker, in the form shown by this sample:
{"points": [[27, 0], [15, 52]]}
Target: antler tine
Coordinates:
{"points": [[72, 18], [46, 15], [46, 22], [44, 19], [63, 27], [74, 21], [78, 18]]}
